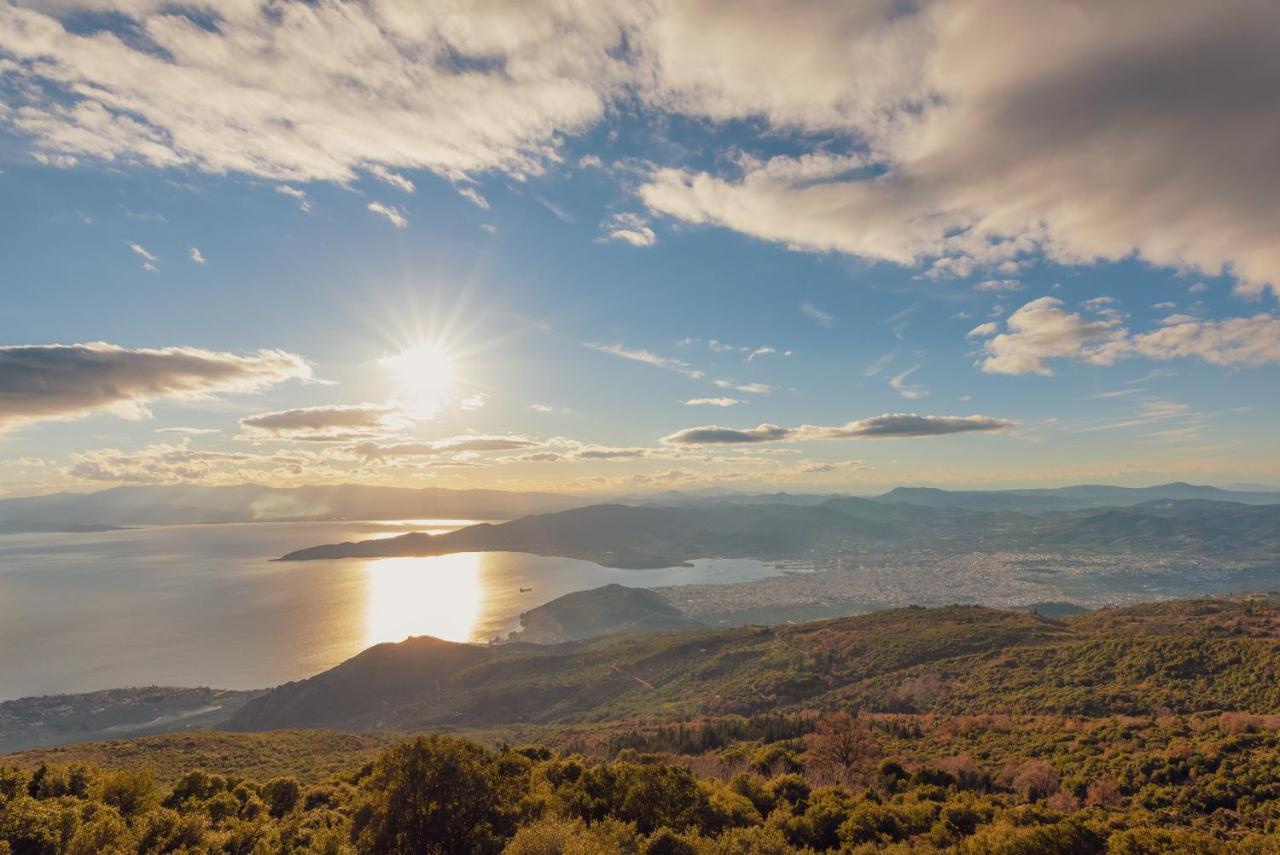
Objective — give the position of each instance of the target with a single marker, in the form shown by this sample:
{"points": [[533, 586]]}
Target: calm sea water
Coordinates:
{"points": [[204, 605]]}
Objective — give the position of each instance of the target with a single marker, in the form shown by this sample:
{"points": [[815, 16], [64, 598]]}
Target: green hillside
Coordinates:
{"points": [[1185, 657], [1139, 731]]}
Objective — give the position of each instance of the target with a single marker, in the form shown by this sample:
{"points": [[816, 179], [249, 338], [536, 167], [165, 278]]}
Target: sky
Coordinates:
{"points": [[620, 248]]}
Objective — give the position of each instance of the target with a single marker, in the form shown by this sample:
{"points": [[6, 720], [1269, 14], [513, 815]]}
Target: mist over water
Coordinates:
{"points": [[205, 605]]}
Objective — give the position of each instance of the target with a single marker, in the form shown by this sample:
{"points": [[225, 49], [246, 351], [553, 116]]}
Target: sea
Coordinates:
{"points": [[205, 605]]}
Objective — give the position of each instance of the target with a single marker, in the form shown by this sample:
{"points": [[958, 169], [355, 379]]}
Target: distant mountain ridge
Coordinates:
{"points": [[176, 504], [628, 536], [1078, 496], [164, 505]]}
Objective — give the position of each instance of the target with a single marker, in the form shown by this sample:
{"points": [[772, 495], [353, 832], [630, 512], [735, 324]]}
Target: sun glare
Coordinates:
{"points": [[422, 373]]}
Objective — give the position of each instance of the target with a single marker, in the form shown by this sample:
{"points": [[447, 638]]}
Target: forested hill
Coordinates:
{"points": [[656, 536], [1180, 656]]}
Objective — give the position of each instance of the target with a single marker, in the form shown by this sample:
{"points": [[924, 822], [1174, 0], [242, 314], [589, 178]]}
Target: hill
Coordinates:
{"points": [[1187, 656], [609, 610], [113, 713]]}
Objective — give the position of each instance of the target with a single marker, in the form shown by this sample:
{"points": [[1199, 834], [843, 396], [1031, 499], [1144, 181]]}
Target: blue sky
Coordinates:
{"points": [[585, 263]]}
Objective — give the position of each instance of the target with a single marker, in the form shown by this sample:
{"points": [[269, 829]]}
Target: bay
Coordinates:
{"points": [[204, 605]]}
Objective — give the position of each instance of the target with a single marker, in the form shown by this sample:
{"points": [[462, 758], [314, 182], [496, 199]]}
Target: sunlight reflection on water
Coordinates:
{"points": [[438, 596]]}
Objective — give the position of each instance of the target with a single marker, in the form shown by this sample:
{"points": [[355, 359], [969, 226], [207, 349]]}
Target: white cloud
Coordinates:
{"points": [[473, 196], [998, 285], [636, 354], [188, 431], [983, 330], [475, 401], [749, 388], [196, 255], [712, 402], [826, 319], [393, 214], [148, 260], [386, 176], [1043, 330], [631, 228], [397, 86], [962, 136], [991, 131], [295, 193], [906, 390], [39, 382]]}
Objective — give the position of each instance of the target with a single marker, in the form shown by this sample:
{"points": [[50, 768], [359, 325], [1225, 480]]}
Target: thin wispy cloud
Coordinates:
{"points": [[393, 214], [148, 260], [825, 319], [712, 402], [637, 354], [473, 196], [905, 389], [629, 228]]}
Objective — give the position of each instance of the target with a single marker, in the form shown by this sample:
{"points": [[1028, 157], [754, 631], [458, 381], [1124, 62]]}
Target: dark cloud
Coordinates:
{"points": [[887, 426], [716, 435], [904, 425], [70, 381], [325, 423]]}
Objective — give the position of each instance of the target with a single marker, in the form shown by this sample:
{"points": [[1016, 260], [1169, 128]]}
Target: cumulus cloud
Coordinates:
{"points": [[39, 382], [393, 214], [1043, 330], [196, 255], [992, 132], [962, 136], [887, 426]]}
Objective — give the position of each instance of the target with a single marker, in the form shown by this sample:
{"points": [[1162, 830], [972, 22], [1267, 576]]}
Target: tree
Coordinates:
{"points": [[437, 795], [840, 740]]}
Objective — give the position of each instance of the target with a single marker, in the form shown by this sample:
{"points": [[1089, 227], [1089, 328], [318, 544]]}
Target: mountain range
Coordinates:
{"points": [[172, 504], [630, 536]]}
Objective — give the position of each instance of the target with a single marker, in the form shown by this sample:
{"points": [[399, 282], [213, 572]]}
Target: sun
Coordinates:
{"points": [[422, 374]]}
